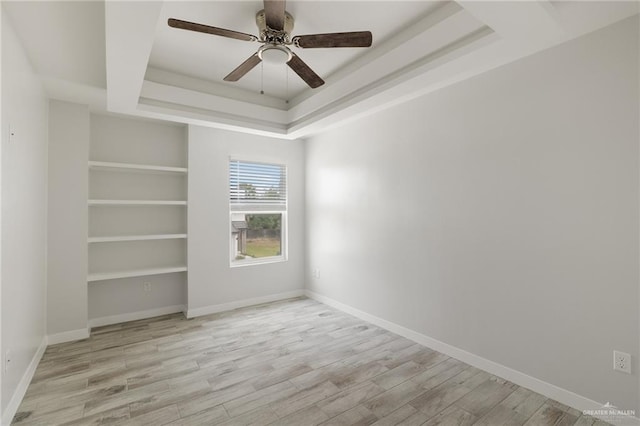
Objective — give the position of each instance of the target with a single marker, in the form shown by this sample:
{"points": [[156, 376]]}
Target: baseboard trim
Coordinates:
{"points": [[68, 336], [564, 396], [134, 316], [21, 389], [213, 309]]}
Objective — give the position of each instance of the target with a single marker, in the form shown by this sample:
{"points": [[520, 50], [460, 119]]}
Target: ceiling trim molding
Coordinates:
{"points": [[528, 22], [392, 82], [406, 35], [208, 102], [438, 29], [221, 90], [152, 108]]}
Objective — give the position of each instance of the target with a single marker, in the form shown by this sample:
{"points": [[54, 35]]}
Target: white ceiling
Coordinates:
{"points": [[65, 40], [123, 57]]}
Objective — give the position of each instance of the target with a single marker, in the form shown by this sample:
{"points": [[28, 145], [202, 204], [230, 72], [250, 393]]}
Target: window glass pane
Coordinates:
{"points": [[256, 235]]}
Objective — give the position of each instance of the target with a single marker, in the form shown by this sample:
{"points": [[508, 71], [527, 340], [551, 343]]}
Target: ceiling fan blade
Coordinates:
{"points": [[305, 73], [243, 68], [201, 28], [274, 14], [351, 39]]}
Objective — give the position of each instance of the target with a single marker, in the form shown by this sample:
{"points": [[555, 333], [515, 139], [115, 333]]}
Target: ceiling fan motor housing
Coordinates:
{"points": [[270, 35]]}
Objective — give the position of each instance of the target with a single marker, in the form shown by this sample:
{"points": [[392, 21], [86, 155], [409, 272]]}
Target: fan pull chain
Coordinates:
{"points": [[286, 73], [262, 78]]}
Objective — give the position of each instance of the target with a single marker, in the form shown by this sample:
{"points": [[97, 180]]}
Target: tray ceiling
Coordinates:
{"points": [[156, 71]]}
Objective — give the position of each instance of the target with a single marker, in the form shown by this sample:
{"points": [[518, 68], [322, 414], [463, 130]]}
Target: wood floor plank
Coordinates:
{"points": [[309, 416], [416, 419], [445, 394], [548, 414], [398, 416], [351, 375], [399, 374], [293, 362], [358, 415], [212, 415], [416, 353], [117, 416], [160, 373], [258, 417], [118, 400], [159, 417], [279, 375], [453, 416], [261, 397], [44, 392], [69, 400], [60, 370], [589, 421], [486, 396], [214, 398], [301, 399], [239, 375], [439, 373], [516, 409], [169, 397], [349, 398], [47, 418], [565, 408], [389, 401]]}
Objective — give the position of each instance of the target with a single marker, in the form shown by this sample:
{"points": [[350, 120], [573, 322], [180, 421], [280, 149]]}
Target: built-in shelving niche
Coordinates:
{"points": [[137, 217]]}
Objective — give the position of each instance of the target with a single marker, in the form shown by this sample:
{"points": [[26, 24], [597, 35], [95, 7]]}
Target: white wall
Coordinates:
{"points": [[499, 215], [68, 219], [135, 140], [211, 280], [24, 213], [125, 299]]}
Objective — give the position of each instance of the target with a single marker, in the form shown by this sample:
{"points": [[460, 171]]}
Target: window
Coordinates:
{"points": [[258, 212]]}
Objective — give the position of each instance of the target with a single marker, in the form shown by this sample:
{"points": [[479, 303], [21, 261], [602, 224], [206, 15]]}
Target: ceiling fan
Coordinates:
{"points": [[275, 25]]}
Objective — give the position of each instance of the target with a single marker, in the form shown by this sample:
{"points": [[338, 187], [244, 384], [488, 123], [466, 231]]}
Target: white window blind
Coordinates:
{"points": [[257, 186]]}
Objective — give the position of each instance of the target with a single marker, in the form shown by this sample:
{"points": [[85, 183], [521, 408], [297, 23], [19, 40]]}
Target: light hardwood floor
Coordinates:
{"points": [[295, 362]]}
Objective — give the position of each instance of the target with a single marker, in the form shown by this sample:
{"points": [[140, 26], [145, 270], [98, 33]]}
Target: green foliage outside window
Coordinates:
{"points": [[264, 221]]}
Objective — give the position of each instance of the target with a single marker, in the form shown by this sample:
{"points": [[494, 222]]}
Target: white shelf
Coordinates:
{"points": [[101, 276], [105, 165], [137, 203], [136, 238]]}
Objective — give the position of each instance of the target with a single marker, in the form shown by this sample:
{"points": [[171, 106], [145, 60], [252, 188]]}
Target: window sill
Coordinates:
{"points": [[253, 262]]}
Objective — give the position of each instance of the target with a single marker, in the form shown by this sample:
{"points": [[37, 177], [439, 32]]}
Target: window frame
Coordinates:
{"points": [[245, 209]]}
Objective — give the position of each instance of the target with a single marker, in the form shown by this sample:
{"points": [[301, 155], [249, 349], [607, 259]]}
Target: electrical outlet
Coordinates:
{"points": [[146, 287], [316, 273], [7, 360], [622, 362]]}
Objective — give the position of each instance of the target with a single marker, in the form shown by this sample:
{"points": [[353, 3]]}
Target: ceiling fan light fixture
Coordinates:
{"points": [[274, 54]]}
